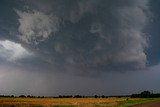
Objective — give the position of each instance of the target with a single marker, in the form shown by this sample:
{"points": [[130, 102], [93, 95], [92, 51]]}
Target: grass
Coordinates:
{"points": [[131, 102], [71, 102]]}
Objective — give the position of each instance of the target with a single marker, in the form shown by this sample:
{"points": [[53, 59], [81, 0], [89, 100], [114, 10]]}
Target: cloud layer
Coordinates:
{"points": [[101, 35], [83, 37], [87, 36]]}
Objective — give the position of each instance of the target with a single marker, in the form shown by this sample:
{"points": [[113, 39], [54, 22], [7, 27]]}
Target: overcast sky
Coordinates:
{"points": [[86, 47]]}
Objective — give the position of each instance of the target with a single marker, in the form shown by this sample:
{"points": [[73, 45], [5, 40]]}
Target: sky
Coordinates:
{"points": [[86, 47]]}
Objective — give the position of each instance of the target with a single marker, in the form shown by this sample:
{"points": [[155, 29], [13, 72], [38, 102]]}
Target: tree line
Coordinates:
{"points": [[60, 96], [144, 94]]}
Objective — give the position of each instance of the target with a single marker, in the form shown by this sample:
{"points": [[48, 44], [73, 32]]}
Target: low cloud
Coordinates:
{"points": [[12, 51], [36, 26], [19, 81]]}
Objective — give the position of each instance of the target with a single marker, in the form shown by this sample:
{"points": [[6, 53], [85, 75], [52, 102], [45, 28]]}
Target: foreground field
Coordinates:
{"points": [[71, 102]]}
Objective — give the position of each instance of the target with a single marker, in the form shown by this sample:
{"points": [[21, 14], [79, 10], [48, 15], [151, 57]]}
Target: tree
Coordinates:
{"points": [[23, 96], [145, 94], [95, 96]]}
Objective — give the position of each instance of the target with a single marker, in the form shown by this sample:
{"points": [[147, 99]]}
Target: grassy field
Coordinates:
{"points": [[71, 102]]}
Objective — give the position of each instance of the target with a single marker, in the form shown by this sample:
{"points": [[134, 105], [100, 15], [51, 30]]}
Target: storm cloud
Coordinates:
{"points": [[92, 36], [12, 51], [53, 47], [36, 26]]}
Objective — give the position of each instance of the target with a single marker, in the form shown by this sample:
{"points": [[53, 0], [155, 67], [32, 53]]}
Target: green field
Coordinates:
{"points": [[135, 102]]}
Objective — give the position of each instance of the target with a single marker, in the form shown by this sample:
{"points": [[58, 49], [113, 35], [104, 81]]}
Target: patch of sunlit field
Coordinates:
{"points": [[63, 102]]}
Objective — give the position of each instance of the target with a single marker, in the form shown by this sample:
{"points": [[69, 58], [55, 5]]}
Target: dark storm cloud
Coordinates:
{"points": [[43, 43], [87, 36], [154, 51]]}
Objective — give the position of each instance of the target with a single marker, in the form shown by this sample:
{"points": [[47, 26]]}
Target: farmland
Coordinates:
{"points": [[72, 102]]}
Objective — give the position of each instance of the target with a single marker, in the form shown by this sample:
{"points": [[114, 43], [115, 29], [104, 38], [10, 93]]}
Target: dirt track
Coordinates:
{"points": [[153, 104]]}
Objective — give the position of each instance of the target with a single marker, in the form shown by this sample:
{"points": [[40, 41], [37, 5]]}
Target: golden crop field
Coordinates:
{"points": [[68, 102]]}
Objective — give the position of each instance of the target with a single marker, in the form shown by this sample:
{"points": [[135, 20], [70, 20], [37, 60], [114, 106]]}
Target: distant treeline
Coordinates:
{"points": [[146, 94], [61, 96], [21, 96]]}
